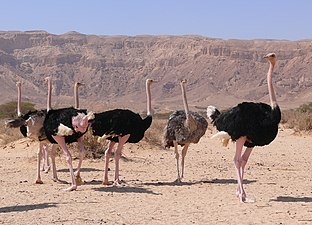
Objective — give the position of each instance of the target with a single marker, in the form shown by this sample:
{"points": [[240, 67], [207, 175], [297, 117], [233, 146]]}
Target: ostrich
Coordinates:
{"points": [[183, 128], [64, 126], [30, 125], [121, 126], [248, 124]]}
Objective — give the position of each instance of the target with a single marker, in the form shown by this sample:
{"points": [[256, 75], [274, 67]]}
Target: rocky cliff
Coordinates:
{"points": [[114, 68]]}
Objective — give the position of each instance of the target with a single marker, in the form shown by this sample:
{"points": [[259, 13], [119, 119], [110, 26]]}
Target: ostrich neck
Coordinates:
{"points": [[49, 95], [19, 96], [185, 101], [148, 96], [76, 97], [270, 86]]}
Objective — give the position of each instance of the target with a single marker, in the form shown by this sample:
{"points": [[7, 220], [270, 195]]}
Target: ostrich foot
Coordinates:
{"points": [[178, 180], [38, 181], [79, 181], [47, 169], [244, 199], [118, 183], [106, 182], [71, 188]]}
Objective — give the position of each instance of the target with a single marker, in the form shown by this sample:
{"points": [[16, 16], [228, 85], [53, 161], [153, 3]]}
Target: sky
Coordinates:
{"points": [[226, 19]]}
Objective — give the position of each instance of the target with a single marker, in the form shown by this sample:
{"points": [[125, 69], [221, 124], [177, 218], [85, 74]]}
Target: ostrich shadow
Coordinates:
{"points": [[226, 181], [189, 183], [65, 170], [291, 199], [170, 183], [127, 189], [23, 208]]}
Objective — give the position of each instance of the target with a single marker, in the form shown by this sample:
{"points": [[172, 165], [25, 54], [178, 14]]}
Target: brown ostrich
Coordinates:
{"points": [[183, 128]]}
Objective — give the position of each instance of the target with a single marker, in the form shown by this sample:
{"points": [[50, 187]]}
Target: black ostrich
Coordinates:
{"points": [[64, 126], [248, 124], [121, 126], [183, 128]]}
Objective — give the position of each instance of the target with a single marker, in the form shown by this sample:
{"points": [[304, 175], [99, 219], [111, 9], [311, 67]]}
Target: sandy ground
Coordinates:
{"points": [[278, 176]]}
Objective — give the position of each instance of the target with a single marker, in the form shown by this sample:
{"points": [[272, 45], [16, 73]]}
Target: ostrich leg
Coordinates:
{"points": [[39, 156], [81, 156], [177, 158], [121, 141], [184, 150], [62, 144], [53, 152], [108, 154], [240, 161]]}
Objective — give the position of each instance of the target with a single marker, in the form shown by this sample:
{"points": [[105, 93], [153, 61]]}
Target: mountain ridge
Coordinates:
{"points": [[114, 68]]}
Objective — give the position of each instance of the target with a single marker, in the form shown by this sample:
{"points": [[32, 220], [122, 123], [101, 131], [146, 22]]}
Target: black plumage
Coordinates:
{"points": [[121, 126], [119, 122], [249, 124], [55, 117], [257, 121]]}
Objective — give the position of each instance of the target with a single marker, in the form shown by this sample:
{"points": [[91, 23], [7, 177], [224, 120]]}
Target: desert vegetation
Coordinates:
{"points": [[299, 119]]}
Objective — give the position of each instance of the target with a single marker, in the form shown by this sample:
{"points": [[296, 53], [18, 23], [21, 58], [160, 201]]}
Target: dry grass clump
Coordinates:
{"points": [[153, 136], [8, 135], [8, 111], [299, 119]]}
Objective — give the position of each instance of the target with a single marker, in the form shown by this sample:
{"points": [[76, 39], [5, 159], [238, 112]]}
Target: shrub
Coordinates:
{"points": [[299, 119], [8, 110]]}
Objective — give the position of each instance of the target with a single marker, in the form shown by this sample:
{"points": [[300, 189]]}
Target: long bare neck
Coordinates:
{"points": [[19, 97], [270, 85], [184, 100], [149, 102], [76, 96], [49, 95]]}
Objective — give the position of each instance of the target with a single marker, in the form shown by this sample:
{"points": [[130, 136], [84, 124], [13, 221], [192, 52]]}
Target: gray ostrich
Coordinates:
{"points": [[183, 128]]}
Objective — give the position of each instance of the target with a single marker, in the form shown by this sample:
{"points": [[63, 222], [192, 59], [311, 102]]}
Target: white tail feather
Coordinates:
{"points": [[223, 136], [210, 111]]}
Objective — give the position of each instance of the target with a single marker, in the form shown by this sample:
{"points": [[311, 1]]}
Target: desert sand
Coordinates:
{"points": [[278, 176]]}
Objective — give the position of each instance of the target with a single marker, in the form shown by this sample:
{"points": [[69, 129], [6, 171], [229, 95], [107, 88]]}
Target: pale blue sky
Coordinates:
{"points": [[241, 19]]}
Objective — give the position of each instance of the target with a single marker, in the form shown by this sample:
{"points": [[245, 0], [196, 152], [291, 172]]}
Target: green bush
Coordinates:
{"points": [[9, 110]]}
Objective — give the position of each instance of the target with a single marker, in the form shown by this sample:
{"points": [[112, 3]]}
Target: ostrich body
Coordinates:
{"points": [[183, 128], [248, 124], [121, 126], [67, 125]]}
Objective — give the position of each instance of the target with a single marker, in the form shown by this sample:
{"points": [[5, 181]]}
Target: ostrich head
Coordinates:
{"points": [[81, 121], [47, 79], [18, 84], [183, 81], [78, 84], [271, 57], [149, 81]]}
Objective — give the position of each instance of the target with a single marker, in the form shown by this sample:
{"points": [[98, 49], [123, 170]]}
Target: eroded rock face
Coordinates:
{"points": [[222, 72]]}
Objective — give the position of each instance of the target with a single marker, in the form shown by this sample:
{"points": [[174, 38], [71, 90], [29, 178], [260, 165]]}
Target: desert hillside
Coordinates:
{"points": [[220, 72]]}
